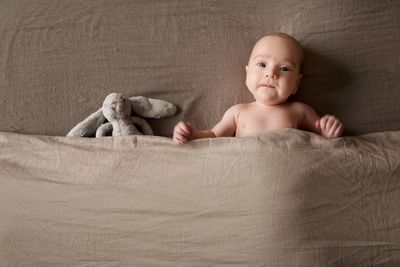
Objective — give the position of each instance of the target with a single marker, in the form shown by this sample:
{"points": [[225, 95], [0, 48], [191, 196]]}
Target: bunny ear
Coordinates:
{"points": [[152, 108], [88, 126]]}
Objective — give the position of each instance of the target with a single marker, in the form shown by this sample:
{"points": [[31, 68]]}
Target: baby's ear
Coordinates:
{"points": [[299, 79]]}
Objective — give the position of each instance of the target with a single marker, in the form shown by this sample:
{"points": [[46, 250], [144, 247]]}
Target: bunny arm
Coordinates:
{"points": [[143, 124], [104, 130], [88, 126], [152, 108]]}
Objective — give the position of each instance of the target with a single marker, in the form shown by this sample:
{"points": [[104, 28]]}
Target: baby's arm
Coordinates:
{"points": [[328, 126], [184, 132]]}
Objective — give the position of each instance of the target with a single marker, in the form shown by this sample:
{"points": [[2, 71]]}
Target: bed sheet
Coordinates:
{"points": [[285, 198]]}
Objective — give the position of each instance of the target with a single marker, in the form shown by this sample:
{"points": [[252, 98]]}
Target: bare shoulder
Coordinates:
{"points": [[227, 125], [307, 116], [236, 109], [301, 107]]}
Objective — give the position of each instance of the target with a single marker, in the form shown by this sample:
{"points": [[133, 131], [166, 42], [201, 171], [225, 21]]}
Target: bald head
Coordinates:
{"points": [[286, 44]]}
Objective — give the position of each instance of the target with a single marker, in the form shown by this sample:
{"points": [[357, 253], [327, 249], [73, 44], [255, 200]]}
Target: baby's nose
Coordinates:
{"points": [[271, 74]]}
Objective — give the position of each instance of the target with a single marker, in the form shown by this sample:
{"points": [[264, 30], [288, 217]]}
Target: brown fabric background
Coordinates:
{"points": [[59, 59]]}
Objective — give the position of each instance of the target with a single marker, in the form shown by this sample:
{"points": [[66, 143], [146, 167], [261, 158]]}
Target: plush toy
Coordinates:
{"points": [[119, 116]]}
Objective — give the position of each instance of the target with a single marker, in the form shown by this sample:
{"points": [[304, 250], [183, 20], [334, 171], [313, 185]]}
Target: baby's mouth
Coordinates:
{"points": [[267, 85]]}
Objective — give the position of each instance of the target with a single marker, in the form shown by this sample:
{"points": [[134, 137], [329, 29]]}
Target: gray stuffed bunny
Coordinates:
{"points": [[119, 116]]}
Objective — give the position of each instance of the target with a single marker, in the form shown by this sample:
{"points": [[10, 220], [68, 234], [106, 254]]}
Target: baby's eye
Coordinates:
{"points": [[261, 65], [284, 68]]}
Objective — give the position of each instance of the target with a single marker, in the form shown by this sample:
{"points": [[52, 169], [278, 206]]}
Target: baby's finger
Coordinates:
{"points": [[329, 123], [177, 141], [322, 123], [339, 131], [333, 128], [186, 130], [185, 127], [179, 138], [183, 140], [181, 130], [181, 135]]}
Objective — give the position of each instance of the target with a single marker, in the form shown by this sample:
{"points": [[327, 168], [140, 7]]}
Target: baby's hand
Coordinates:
{"points": [[182, 132], [330, 126]]}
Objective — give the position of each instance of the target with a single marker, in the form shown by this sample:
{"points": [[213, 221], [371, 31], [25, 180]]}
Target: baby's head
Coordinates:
{"points": [[273, 72]]}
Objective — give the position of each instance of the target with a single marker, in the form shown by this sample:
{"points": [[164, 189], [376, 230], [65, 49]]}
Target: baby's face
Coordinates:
{"points": [[273, 71]]}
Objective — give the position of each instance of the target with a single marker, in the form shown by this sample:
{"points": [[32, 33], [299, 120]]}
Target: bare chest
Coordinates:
{"points": [[252, 122]]}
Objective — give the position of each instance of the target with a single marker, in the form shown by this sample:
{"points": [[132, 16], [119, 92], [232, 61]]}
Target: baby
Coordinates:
{"points": [[273, 74]]}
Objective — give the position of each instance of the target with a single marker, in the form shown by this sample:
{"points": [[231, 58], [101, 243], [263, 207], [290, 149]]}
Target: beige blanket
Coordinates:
{"points": [[286, 198]]}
